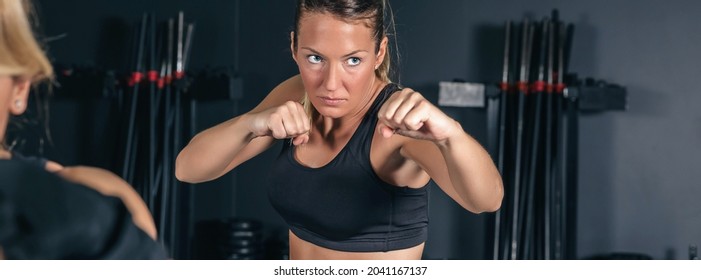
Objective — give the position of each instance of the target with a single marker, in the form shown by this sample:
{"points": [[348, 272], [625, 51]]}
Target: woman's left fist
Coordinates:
{"points": [[409, 114]]}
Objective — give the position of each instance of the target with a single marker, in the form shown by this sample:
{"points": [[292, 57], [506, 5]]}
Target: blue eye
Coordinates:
{"points": [[314, 59], [353, 61]]}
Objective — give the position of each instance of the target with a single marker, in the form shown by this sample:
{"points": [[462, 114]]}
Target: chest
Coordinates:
{"points": [[380, 155], [322, 150]]}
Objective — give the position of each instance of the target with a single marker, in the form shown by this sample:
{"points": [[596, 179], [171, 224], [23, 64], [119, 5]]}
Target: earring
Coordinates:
{"points": [[377, 66], [18, 104]]}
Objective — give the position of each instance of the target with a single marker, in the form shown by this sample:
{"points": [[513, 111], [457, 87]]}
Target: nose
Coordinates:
{"points": [[332, 80]]}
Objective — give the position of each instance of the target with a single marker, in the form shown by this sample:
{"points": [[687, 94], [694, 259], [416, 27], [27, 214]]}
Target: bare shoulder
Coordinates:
{"points": [[109, 184], [53, 166], [293, 86], [291, 89], [99, 179]]}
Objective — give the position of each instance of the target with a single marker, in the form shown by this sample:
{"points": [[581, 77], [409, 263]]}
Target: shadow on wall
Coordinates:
{"points": [[595, 188], [648, 216], [595, 232], [648, 104]]}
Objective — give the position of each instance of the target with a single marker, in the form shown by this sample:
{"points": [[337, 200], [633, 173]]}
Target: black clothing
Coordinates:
{"points": [[43, 216], [344, 205]]}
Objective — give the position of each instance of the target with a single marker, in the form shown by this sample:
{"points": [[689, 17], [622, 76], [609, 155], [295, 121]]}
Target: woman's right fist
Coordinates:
{"points": [[288, 120]]}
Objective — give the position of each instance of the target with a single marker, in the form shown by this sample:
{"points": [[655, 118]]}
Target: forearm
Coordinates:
{"points": [[472, 172], [210, 152]]}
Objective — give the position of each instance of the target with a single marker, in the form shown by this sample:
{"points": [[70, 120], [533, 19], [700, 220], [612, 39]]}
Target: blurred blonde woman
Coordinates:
{"points": [[23, 64]]}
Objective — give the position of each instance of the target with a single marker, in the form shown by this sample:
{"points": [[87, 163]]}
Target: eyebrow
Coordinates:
{"points": [[351, 53]]}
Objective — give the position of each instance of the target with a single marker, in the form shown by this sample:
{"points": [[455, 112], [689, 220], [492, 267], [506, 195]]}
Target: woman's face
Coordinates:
{"points": [[337, 61], [12, 90]]}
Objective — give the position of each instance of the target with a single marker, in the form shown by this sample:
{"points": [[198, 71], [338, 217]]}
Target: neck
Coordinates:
{"points": [[334, 127]]}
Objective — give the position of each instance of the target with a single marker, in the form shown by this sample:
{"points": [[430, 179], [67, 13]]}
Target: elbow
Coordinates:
{"points": [[487, 208], [493, 203], [494, 206], [497, 197], [180, 176], [181, 171], [192, 169]]}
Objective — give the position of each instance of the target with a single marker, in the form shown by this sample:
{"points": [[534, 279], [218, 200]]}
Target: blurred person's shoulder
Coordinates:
{"points": [[43, 216]]}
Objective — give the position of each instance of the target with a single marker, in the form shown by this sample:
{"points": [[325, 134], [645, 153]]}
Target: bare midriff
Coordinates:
{"points": [[303, 250]]}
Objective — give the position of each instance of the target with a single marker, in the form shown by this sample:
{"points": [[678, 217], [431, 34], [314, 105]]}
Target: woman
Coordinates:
{"points": [[352, 182], [23, 64]]}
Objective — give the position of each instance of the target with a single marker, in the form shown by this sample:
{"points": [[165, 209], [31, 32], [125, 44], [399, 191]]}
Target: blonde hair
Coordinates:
{"points": [[20, 53]]}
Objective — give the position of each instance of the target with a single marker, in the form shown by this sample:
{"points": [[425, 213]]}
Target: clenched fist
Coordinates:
{"points": [[409, 114], [285, 121]]}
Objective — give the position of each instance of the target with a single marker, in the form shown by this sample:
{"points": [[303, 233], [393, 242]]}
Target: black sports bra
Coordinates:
{"points": [[344, 205]]}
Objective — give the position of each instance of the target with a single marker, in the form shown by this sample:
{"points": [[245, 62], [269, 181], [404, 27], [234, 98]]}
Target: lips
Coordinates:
{"points": [[331, 101]]}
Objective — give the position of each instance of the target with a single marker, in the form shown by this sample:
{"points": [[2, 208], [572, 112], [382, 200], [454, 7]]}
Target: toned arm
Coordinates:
{"points": [[462, 169], [219, 149]]}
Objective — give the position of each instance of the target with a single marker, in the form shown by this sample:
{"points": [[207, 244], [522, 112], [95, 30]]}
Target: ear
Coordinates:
{"points": [[20, 92], [292, 46], [382, 51]]}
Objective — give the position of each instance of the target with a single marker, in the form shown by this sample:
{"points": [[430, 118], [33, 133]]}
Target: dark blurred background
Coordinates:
{"points": [[638, 187]]}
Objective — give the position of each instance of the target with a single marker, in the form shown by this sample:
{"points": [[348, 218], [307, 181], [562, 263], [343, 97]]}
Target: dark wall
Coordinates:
{"points": [[638, 188], [637, 184], [98, 33]]}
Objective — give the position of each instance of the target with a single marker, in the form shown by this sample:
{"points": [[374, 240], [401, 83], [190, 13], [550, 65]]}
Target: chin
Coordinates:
{"points": [[333, 113], [330, 112]]}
